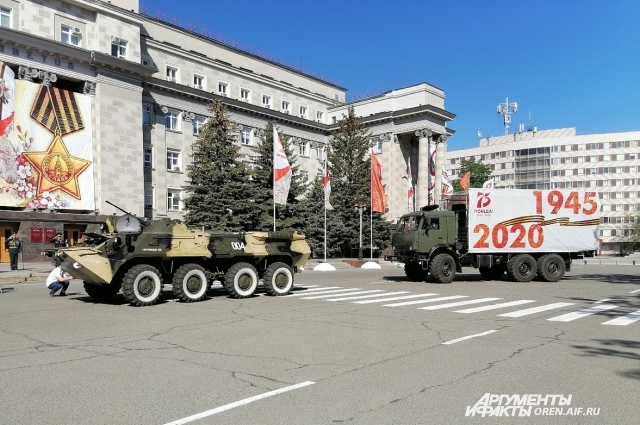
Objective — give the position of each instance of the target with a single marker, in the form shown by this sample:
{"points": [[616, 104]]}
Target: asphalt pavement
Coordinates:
{"points": [[351, 346]]}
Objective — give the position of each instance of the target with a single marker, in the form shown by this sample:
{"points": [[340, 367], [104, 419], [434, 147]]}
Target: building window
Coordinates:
{"points": [[304, 148], [554, 185], [303, 112], [148, 199], [198, 123], [555, 148], [146, 114], [5, 17], [223, 89], [172, 74], [286, 105], [148, 157], [198, 82], [304, 176], [320, 116], [245, 136], [146, 62], [173, 200], [632, 169], [568, 184], [619, 170], [581, 159], [582, 147], [334, 120], [498, 154], [620, 157], [118, 47], [508, 165], [173, 160], [581, 172], [245, 95], [171, 121], [266, 101], [69, 35]]}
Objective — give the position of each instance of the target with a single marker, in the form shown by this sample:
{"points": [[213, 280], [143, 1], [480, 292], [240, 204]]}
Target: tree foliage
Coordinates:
{"points": [[293, 215], [349, 156], [219, 190], [480, 173]]}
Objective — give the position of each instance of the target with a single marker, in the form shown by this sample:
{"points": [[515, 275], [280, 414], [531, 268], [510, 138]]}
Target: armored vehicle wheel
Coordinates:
{"points": [[190, 283], [551, 267], [522, 268], [492, 273], [414, 272], [278, 279], [100, 292], [142, 285], [443, 268], [241, 280]]}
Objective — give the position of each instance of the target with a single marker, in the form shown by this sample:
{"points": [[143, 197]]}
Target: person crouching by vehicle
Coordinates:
{"points": [[14, 245], [57, 280]]}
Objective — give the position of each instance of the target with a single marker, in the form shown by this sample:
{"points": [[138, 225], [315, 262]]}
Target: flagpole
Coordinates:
{"points": [[325, 205], [273, 167], [371, 210]]}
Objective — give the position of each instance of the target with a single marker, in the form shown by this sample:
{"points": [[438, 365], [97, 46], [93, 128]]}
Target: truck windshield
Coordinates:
{"points": [[408, 224]]}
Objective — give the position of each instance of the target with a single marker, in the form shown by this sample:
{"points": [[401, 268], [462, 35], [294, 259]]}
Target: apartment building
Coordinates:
{"points": [[559, 159], [104, 101]]}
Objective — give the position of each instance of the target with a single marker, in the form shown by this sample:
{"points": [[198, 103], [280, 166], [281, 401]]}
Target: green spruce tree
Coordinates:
{"points": [[219, 191], [288, 217], [350, 161]]}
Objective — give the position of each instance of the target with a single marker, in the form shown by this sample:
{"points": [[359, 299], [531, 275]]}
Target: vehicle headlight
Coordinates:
{"points": [[76, 265]]}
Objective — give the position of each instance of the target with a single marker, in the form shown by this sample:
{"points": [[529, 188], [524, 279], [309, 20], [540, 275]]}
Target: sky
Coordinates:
{"points": [[568, 63]]}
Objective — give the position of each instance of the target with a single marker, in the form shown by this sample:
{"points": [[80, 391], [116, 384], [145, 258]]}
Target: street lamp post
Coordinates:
{"points": [[360, 206]]}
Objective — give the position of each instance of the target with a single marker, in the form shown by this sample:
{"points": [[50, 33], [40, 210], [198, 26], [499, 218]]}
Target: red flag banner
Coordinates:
{"points": [[465, 181], [378, 201]]}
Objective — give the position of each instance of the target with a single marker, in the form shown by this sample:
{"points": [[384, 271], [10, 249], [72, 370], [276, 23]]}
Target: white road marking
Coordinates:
{"points": [[601, 301], [494, 306], [368, 296], [624, 320], [239, 403], [453, 341], [456, 304], [314, 291], [432, 300], [633, 292], [306, 286], [340, 295], [533, 310], [395, 298], [582, 313]]}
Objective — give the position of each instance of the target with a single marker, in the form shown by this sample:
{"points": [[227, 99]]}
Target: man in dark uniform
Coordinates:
{"points": [[14, 246], [58, 242]]}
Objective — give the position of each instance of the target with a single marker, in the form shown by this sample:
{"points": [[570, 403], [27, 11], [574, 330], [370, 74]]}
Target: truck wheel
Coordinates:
{"points": [[443, 268], [522, 268], [241, 280], [142, 285], [492, 273], [551, 267], [278, 279], [190, 283], [414, 272], [100, 292]]}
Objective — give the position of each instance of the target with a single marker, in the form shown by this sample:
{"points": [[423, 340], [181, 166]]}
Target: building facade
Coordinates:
{"points": [[103, 103], [559, 159]]}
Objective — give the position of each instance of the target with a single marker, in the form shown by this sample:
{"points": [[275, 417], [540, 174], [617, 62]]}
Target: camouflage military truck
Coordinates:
{"points": [[140, 256]]}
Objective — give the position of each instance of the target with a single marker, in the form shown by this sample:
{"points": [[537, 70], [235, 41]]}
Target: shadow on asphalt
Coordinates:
{"points": [[165, 297], [622, 348], [608, 278], [629, 303]]}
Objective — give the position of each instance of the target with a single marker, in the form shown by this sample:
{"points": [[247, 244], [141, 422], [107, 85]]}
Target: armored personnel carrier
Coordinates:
{"points": [[140, 256]]}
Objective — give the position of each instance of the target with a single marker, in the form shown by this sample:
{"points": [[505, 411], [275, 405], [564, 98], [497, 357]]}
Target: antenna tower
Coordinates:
{"points": [[507, 109]]}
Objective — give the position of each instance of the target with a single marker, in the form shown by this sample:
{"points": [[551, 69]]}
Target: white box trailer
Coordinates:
{"points": [[524, 232]]}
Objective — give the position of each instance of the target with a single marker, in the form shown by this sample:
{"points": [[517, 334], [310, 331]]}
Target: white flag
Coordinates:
{"points": [[326, 183], [488, 184], [281, 171], [447, 187], [410, 185]]}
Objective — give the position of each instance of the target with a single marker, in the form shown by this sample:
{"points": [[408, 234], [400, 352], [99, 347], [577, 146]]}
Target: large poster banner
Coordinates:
{"points": [[46, 158], [526, 220]]}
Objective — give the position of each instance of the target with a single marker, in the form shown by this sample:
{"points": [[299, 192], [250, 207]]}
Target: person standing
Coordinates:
{"points": [[58, 242], [14, 245], [57, 280]]}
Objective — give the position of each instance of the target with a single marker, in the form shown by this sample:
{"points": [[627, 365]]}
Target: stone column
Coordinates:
{"points": [[439, 163], [424, 179]]}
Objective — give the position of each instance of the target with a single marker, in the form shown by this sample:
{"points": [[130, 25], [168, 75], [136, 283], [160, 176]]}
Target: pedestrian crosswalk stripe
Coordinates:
{"points": [[533, 310], [315, 297], [431, 300], [494, 306], [447, 305], [582, 313], [315, 290], [624, 320], [367, 296], [395, 298], [306, 286]]}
